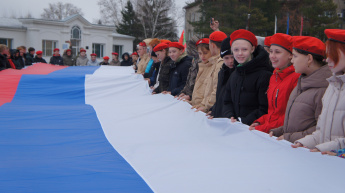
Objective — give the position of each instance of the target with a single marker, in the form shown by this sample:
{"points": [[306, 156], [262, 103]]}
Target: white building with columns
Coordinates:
{"points": [[46, 35]]}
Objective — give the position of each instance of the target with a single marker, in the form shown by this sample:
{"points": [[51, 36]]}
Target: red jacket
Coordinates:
{"points": [[281, 85]]}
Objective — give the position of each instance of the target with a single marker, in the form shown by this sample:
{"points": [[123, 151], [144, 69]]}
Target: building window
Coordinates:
{"points": [[118, 49], [48, 47], [98, 49], [75, 33], [7, 42]]}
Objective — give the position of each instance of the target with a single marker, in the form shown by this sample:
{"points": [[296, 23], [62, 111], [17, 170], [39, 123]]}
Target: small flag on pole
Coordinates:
{"points": [[182, 39], [275, 25], [288, 21]]}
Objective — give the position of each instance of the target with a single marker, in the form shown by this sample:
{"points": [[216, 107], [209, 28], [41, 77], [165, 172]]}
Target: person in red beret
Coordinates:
{"points": [[163, 78], [282, 82], [105, 61], [135, 58], [144, 58], [215, 63], [267, 43], [38, 58], [93, 61], [330, 128], [82, 60], [115, 59], [245, 96], [56, 59], [68, 58], [179, 69], [305, 101]]}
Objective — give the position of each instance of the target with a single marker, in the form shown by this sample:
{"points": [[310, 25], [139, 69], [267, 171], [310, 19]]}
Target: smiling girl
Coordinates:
{"points": [[245, 96], [282, 82]]}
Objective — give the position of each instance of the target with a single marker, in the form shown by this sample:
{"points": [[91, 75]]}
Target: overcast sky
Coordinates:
{"points": [[21, 8]]}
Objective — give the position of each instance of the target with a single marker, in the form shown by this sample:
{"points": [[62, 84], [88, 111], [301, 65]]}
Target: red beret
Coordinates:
{"points": [[282, 40], [337, 35], [309, 44], [176, 45], [135, 53], [68, 50], [114, 53], [39, 52], [267, 41], [165, 41], [82, 50], [245, 35], [218, 36], [142, 44], [93, 54], [56, 49], [203, 41], [160, 47], [106, 58]]}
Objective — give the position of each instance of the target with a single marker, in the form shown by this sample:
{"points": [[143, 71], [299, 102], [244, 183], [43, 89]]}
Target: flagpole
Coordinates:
{"points": [[300, 33], [288, 21], [275, 24]]}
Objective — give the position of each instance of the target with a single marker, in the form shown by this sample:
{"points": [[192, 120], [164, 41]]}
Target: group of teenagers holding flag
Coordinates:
{"points": [[292, 87]]}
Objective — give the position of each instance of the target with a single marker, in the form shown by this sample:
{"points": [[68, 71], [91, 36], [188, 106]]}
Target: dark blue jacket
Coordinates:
{"points": [[178, 75]]}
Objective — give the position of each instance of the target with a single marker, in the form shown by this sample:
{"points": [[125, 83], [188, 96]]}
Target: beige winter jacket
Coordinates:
{"points": [[143, 63], [330, 128], [200, 84], [211, 82]]}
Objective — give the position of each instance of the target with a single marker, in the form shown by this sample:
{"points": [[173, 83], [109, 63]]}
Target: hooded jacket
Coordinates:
{"points": [[245, 95], [127, 62], [200, 84], [281, 85], [69, 60], [114, 63], [29, 59], [330, 128], [223, 77], [164, 75], [178, 74], [93, 63], [304, 106]]}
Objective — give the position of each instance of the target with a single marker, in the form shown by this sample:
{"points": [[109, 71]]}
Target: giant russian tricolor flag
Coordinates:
{"points": [[98, 129]]}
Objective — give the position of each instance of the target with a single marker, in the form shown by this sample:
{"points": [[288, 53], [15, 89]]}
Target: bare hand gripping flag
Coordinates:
{"points": [[98, 129]]}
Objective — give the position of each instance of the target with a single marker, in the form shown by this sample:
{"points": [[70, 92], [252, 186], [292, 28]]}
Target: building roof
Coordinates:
{"points": [[193, 4], [11, 23]]}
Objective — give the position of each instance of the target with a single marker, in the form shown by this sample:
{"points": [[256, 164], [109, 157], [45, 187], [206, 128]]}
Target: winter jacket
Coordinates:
{"points": [[39, 60], [245, 95], [164, 75], [280, 87], [103, 63], [114, 63], [3, 62], [330, 128], [69, 60], [211, 82], [200, 84], [192, 74], [18, 62], [144, 60], [178, 74], [223, 77], [29, 59], [155, 70], [148, 73], [57, 60], [91, 63], [304, 106], [82, 61], [127, 62]]}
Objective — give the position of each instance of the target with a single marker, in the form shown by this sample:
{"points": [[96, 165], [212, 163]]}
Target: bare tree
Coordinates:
{"points": [[156, 18], [110, 11], [59, 11]]}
